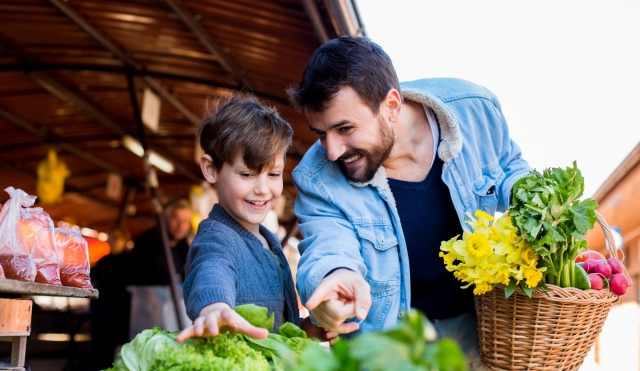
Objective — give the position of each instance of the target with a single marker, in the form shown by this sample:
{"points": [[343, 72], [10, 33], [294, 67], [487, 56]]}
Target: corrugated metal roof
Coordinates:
{"points": [[63, 84]]}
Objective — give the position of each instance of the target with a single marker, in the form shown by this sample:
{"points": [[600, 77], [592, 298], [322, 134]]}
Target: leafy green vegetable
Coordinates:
{"points": [[156, 350], [407, 347], [256, 315], [410, 346], [549, 215], [141, 351], [221, 353]]}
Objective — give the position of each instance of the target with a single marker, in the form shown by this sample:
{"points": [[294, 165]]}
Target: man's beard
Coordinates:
{"points": [[373, 158]]}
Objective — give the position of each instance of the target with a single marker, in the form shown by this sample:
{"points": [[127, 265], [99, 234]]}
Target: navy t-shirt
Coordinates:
{"points": [[427, 216]]}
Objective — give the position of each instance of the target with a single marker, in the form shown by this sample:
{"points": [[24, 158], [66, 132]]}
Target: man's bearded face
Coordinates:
{"points": [[360, 165]]}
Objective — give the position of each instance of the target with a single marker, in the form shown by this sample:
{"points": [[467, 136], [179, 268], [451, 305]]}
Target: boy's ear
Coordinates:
{"points": [[208, 170]]}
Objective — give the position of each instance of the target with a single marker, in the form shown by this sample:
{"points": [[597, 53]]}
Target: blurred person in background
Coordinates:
{"points": [[110, 311], [150, 266]]}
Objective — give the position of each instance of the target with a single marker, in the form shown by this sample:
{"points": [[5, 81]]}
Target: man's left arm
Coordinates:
{"points": [[512, 163]]}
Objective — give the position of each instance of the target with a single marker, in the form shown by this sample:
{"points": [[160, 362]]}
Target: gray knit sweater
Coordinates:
{"points": [[227, 263]]}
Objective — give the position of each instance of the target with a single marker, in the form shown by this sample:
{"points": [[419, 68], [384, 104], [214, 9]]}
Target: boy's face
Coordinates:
{"points": [[246, 195]]}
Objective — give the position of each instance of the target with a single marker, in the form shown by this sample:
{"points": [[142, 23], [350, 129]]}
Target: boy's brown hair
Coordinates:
{"points": [[240, 123]]}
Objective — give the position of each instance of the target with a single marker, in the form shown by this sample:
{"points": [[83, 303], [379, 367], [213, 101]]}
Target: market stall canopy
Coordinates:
{"points": [[69, 70]]}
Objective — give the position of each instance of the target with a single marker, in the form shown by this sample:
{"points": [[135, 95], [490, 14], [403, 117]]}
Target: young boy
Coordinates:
{"points": [[234, 260]]}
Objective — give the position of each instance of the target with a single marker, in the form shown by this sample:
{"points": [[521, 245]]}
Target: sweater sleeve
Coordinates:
{"points": [[211, 270]]}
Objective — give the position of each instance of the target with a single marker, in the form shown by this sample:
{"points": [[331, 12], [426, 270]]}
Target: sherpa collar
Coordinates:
{"points": [[450, 136]]}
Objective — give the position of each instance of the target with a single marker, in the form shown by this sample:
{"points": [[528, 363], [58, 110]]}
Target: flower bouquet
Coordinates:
{"points": [[492, 254], [536, 308]]}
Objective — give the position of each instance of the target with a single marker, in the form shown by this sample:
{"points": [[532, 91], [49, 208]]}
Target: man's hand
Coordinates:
{"points": [[316, 332], [341, 295], [217, 318]]}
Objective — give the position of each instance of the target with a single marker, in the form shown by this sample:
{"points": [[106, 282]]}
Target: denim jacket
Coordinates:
{"points": [[356, 225]]}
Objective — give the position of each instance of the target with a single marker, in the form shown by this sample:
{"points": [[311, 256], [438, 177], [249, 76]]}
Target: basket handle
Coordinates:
{"points": [[611, 244]]}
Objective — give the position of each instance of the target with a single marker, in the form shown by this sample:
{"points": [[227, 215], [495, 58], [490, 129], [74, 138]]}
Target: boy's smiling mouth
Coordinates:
{"points": [[258, 204]]}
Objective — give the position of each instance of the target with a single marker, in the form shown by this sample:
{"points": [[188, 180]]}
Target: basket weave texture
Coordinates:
{"points": [[543, 333]]}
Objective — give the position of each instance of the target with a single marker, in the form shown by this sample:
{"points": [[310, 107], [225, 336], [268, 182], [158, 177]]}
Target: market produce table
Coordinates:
{"points": [[16, 308]]}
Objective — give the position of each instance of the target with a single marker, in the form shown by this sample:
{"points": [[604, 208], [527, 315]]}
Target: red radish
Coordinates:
{"points": [[596, 281], [619, 284], [589, 266], [589, 254], [616, 265], [604, 269]]}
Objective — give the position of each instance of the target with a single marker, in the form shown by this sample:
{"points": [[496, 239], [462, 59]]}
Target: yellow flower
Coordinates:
{"points": [[533, 277], [449, 258], [515, 254], [489, 254], [459, 247], [461, 275], [482, 288], [529, 256], [503, 235], [478, 245], [480, 225], [500, 274], [482, 215], [448, 245]]}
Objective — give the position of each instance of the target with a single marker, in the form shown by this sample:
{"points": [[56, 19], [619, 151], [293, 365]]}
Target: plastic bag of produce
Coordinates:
{"points": [[73, 256], [37, 227], [15, 257]]}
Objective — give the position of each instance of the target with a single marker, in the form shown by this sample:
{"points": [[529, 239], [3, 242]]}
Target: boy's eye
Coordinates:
{"points": [[245, 175], [275, 175]]}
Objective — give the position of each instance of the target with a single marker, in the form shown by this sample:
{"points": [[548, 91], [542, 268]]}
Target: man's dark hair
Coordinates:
{"points": [[356, 62]]}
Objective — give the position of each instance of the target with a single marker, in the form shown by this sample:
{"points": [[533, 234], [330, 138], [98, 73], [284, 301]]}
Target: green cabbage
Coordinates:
{"points": [[156, 350], [410, 347]]}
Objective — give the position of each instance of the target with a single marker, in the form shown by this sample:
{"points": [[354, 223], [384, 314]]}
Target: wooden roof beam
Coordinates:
{"points": [[346, 17], [65, 94], [49, 137], [316, 20], [108, 44], [153, 74], [207, 40]]}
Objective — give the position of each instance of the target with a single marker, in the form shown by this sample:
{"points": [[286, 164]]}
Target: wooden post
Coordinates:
{"points": [[18, 350], [15, 322]]}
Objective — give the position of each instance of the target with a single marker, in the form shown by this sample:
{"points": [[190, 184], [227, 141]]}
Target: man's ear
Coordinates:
{"points": [[392, 104], [208, 170]]}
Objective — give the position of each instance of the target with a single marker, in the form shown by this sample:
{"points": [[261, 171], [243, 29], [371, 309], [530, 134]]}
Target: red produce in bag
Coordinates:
{"points": [[15, 257], [73, 256], [39, 234]]}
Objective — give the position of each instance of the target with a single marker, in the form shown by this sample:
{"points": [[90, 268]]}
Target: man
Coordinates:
{"points": [[150, 266], [395, 170]]}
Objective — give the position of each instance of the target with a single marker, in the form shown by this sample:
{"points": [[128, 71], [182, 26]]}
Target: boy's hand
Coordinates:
{"points": [[217, 318], [317, 332]]}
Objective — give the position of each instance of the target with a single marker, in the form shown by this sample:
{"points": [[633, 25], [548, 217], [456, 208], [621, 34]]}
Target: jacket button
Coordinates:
{"points": [[401, 314]]}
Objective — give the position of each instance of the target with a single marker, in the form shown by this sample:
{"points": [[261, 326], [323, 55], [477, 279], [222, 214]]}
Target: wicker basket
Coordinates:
{"points": [[542, 333]]}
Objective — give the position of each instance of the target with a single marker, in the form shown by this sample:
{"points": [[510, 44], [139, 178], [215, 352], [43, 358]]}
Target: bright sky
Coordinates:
{"points": [[567, 73]]}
